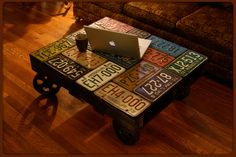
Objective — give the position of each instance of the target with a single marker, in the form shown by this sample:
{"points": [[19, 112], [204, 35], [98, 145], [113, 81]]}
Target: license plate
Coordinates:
{"points": [[99, 76], [140, 33], [66, 66], [122, 99], [94, 25], [87, 59], [166, 46], [52, 49], [71, 37], [158, 58], [111, 24], [157, 85], [132, 77], [125, 62], [186, 63]]}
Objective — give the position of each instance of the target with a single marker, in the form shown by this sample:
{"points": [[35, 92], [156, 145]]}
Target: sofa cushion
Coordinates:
{"points": [[215, 34], [116, 7], [164, 15]]}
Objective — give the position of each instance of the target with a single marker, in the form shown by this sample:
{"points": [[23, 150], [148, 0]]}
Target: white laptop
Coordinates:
{"points": [[122, 44]]}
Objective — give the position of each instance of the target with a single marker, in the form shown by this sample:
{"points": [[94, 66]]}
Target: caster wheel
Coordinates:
{"points": [[44, 86], [181, 93], [126, 136]]}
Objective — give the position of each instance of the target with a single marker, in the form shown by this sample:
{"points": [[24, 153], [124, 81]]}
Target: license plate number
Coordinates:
{"points": [[66, 66], [87, 59], [140, 33], [186, 63], [122, 99], [114, 25], [52, 49], [99, 76], [132, 77], [125, 62], [157, 85], [158, 58], [166, 46]]}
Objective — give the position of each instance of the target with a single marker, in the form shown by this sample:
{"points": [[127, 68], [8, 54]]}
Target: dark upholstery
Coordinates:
{"points": [[203, 27], [163, 15], [115, 7], [213, 27]]}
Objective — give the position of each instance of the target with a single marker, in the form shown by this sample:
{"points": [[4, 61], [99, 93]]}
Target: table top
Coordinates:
{"points": [[127, 84]]}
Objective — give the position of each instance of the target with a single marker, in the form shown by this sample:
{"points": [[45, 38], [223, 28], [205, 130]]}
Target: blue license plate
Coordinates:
{"points": [[166, 46], [157, 85]]}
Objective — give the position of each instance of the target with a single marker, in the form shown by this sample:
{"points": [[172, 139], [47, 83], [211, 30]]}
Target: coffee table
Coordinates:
{"points": [[130, 91]]}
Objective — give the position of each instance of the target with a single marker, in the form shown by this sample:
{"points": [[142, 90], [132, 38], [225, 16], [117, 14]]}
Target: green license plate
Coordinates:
{"points": [[99, 76], [157, 85], [186, 63], [132, 77], [87, 59], [122, 99], [52, 49]]}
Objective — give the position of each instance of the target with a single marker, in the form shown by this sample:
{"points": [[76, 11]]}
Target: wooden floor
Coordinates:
{"points": [[199, 124]]}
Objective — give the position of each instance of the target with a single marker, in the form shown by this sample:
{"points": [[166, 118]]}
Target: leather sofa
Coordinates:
{"points": [[206, 28]]}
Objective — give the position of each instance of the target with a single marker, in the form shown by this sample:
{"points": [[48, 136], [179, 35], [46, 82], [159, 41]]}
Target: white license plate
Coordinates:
{"points": [[111, 24], [87, 59], [71, 37], [96, 26], [122, 99], [99, 76]]}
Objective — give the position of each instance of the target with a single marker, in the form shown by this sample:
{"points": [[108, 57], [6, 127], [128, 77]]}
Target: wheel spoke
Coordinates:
{"points": [[43, 85]]}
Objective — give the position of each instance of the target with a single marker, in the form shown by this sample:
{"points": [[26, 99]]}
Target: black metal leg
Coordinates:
{"points": [[128, 137], [181, 92]]}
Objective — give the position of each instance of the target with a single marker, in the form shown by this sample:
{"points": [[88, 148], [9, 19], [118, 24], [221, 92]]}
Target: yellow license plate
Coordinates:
{"points": [[87, 59], [99, 76], [52, 49], [122, 99], [132, 77]]}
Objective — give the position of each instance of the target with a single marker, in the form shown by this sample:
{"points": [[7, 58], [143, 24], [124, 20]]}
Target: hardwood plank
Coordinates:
{"points": [[16, 141], [30, 133], [212, 99]]}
